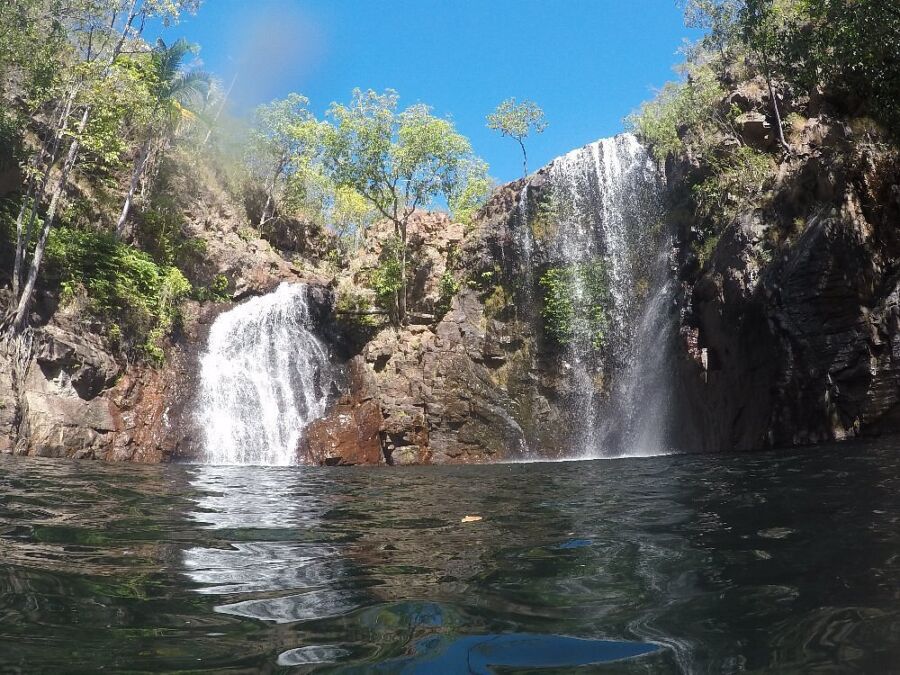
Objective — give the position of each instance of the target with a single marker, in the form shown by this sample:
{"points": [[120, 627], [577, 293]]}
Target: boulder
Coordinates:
{"points": [[349, 434], [755, 130]]}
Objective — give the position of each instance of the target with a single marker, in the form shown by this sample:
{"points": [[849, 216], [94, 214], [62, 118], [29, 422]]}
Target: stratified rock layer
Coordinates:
{"points": [[792, 328]]}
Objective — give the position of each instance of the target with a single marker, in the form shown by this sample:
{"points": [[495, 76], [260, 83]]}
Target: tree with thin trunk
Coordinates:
{"points": [[98, 33], [761, 20], [399, 161], [174, 92], [285, 144], [518, 121], [755, 25]]}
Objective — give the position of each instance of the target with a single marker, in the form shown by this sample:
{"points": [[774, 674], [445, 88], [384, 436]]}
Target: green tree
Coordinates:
{"points": [[33, 48], [471, 193], [853, 47], [518, 121], [351, 215], [399, 161], [175, 93], [97, 33], [286, 147], [719, 18], [764, 23]]}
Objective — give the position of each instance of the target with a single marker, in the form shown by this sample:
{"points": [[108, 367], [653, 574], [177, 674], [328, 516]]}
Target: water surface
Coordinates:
{"points": [[754, 563]]}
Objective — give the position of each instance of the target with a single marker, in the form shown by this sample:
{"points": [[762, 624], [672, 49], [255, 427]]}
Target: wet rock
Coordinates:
{"points": [[791, 329], [349, 434]]}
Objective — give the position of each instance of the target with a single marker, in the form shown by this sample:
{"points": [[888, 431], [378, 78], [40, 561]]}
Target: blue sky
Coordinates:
{"points": [[587, 63]]}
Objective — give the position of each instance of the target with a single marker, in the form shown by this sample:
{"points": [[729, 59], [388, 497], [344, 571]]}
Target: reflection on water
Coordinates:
{"points": [[664, 565], [248, 501]]}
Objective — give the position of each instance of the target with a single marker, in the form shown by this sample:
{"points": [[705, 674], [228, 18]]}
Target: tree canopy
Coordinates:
{"points": [[398, 160], [518, 121]]}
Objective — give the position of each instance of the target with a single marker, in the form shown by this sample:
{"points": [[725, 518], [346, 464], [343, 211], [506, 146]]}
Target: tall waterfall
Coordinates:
{"points": [[261, 380], [606, 204]]}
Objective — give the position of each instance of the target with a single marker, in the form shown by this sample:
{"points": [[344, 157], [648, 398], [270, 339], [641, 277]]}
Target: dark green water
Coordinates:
{"points": [[757, 563]]}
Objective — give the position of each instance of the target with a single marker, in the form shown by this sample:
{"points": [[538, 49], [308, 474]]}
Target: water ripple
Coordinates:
{"points": [[756, 563]]}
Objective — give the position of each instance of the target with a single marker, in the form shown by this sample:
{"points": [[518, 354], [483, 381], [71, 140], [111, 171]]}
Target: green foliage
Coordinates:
{"points": [[398, 161], [387, 279], [846, 47], [544, 218], [33, 50], [576, 298], [517, 120], [285, 147], [247, 233], [124, 285], [177, 91], [737, 177], [497, 301], [351, 217], [856, 47], [335, 258], [353, 304], [448, 287], [471, 193], [679, 109], [160, 233], [707, 246], [216, 291]]}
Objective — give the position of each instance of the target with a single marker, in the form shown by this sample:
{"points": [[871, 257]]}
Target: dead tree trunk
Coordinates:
{"points": [[132, 187]]}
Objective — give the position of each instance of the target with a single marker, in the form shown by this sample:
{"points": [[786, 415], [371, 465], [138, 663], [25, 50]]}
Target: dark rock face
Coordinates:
{"points": [[799, 343]]}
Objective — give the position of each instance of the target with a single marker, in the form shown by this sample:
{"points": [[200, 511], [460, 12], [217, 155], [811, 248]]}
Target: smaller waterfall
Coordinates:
{"points": [[261, 380]]}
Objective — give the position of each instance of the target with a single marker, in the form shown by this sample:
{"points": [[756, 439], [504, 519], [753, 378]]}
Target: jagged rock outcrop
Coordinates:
{"points": [[351, 432], [72, 398], [478, 384], [438, 400], [791, 332]]}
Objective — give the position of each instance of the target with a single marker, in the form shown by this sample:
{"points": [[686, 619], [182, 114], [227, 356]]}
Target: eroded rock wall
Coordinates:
{"points": [[790, 329]]}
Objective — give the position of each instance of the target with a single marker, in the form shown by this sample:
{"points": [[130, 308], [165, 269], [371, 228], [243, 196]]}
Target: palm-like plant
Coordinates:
{"points": [[175, 91]]}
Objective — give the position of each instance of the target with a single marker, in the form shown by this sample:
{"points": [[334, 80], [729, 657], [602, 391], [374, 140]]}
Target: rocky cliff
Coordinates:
{"points": [[67, 391], [787, 319], [786, 309], [790, 326]]}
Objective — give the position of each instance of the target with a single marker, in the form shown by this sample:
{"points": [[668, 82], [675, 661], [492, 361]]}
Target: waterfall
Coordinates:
{"points": [[606, 206], [261, 380]]}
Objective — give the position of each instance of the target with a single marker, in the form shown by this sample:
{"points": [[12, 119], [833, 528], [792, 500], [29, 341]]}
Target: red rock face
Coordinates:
{"points": [[350, 434]]}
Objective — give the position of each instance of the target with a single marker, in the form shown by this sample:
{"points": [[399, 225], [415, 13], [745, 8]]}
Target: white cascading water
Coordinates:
{"points": [[606, 198], [261, 380]]}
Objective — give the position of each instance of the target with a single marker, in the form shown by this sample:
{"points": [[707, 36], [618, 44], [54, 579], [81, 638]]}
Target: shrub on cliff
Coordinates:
{"points": [[849, 49], [399, 161], [575, 304], [683, 112], [124, 287]]}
